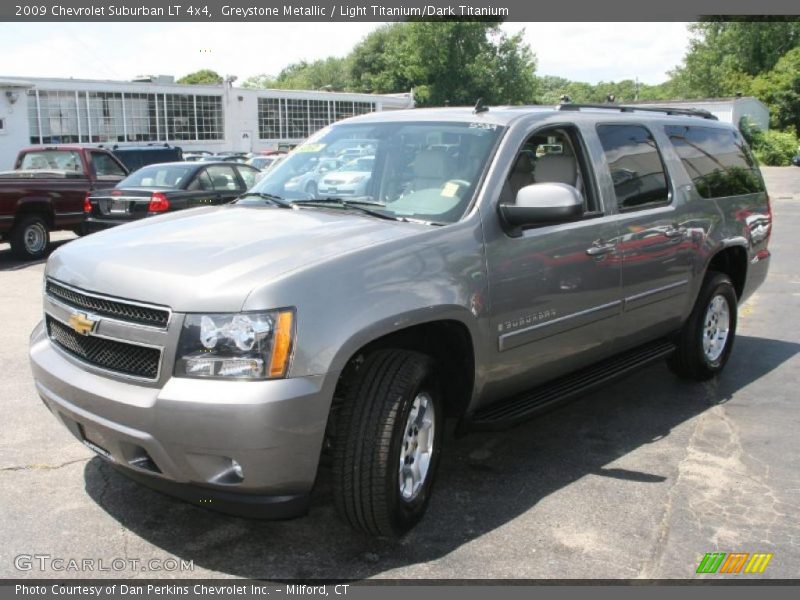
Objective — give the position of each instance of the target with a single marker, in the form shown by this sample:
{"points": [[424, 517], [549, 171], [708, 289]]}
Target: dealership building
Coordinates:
{"points": [[157, 110]]}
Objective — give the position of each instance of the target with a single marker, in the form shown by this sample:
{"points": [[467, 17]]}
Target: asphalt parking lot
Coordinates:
{"points": [[639, 480]]}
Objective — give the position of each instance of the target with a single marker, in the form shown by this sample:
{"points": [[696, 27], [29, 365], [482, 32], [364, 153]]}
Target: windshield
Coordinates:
{"points": [[416, 170], [161, 176]]}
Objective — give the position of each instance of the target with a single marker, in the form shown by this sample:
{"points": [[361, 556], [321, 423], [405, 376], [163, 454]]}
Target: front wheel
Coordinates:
{"points": [[705, 342], [388, 438], [30, 238]]}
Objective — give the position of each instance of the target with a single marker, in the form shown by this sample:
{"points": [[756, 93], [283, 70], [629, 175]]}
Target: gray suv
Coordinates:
{"points": [[499, 261]]}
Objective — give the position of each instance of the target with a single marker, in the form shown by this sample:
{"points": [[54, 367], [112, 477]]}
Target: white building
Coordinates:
{"points": [[203, 117], [729, 110]]}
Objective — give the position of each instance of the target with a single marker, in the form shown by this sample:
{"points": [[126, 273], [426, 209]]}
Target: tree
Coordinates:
{"points": [[325, 74], [724, 56], [455, 62], [779, 89], [203, 76]]}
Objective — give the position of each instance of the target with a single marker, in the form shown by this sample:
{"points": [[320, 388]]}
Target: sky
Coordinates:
{"points": [[588, 52]]}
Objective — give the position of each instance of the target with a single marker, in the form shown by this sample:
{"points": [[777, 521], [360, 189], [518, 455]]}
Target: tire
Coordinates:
{"points": [[701, 352], [371, 441], [30, 238]]}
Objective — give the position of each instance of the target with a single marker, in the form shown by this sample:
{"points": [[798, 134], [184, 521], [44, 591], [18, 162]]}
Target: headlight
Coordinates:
{"points": [[236, 346]]}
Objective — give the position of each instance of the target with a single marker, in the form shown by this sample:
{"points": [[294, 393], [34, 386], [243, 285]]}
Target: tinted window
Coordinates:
{"points": [[635, 165], [717, 160], [223, 178], [201, 182], [105, 166], [248, 176], [163, 176]]}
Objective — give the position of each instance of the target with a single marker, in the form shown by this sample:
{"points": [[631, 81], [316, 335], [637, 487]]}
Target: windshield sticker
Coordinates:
{"points": [[450, 189], [310, 148], [491, 126]]}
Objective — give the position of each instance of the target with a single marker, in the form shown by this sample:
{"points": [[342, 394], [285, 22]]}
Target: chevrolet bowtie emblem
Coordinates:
{"points": [[81, 323]]}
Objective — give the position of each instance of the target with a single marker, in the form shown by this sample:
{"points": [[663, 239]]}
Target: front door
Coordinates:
{"points": [[555, 290]]}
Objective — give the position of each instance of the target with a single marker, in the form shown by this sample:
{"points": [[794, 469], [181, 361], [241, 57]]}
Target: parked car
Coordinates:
{"points": [[308, 180], [796, 161], [46, 192], [166, 187], [136, 156], [351, 179], [218, 354], [262, 163], [195, 155]]}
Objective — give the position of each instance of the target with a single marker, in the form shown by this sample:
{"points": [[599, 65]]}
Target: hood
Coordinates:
{"points": [[209, 259]]}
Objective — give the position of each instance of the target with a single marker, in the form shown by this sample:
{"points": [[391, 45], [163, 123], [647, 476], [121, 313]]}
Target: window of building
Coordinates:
{"points": [[140, 115], [106, 117], [210, 123], [56, 117], [635, 165], [2, 125], [296, 118], [717, 160], [269, 119], [318, 116]]}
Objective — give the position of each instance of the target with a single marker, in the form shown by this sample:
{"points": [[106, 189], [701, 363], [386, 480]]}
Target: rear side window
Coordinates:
{"points": [[635, 164], [717, 160]]}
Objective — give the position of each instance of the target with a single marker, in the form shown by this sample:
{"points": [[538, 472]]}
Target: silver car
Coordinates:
{"points": [[351, 179], [464, 271]]}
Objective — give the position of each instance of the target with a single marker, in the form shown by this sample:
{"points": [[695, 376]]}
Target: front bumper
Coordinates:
{"points": [[183, 436]]}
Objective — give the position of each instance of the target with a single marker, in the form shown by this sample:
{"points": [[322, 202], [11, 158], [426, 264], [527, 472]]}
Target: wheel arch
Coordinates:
{"points": [[449, 340], [731, 259]]}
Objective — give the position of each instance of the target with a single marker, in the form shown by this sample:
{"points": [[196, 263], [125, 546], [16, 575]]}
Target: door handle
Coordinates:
{"points": [[675, 232], [599, 248]]}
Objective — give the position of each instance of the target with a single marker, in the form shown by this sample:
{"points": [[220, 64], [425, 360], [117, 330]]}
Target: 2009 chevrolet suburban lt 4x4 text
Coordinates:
{"points": [[500, 260]]}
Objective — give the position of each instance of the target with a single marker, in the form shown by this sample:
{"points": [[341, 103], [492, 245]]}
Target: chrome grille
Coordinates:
{"points": [[117, 309], [112, 355]]}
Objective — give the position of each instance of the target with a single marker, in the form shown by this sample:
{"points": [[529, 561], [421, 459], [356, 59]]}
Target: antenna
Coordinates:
{"points": [[480, 107]]}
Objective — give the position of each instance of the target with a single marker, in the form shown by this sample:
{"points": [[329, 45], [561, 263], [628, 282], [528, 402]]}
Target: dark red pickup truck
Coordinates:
{"points": [[47, 191]]}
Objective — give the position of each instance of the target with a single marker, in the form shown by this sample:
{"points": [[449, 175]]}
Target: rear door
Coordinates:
{"points": [[652, 245]]}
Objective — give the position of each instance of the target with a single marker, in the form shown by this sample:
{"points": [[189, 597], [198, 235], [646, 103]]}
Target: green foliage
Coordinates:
{"points": [[776, 148], [724, 56], [203, 76], [779, 89], [328, 74], [443, 61]]}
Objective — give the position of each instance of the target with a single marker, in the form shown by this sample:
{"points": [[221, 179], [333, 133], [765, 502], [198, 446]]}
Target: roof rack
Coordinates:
{"points": [[669, 110]]}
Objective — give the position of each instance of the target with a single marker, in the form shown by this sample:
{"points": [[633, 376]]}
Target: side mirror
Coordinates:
{"points": [[543, 203]]}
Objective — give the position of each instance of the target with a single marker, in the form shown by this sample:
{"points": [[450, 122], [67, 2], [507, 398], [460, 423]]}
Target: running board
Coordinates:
{"points": [[508, 412]]}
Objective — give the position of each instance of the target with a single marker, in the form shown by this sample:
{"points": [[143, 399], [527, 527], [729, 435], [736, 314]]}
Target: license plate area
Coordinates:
{"points": [[95, 442], [118, 207]]}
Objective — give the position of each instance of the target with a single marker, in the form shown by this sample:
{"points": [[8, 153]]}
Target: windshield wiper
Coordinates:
{"points": [[277, 200], [359, 205]]}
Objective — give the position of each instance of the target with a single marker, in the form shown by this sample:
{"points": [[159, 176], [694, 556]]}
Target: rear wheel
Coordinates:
{"points": [[388, 439], [706, 340], [30, 238]]}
